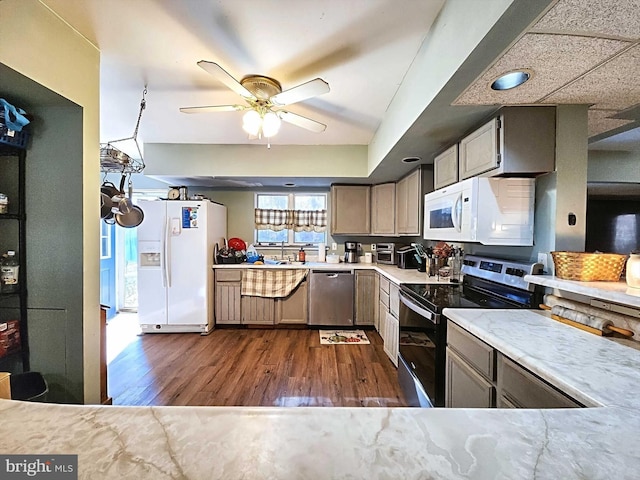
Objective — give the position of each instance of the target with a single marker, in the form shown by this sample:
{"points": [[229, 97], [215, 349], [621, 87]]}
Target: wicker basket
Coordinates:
{"points": [[588, 267]]}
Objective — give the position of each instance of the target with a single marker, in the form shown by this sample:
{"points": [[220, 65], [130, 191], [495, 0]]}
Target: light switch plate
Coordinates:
{"points": [[334, 246]]}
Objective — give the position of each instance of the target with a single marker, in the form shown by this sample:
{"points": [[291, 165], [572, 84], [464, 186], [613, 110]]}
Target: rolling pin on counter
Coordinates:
{"points": [[585, 317]]}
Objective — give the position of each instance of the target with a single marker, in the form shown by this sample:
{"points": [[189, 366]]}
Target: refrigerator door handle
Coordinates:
{"points": [[166, 272]]}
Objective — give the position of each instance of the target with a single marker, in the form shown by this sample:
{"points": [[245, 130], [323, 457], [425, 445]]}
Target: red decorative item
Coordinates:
{"points": [[237, 244], [9, 337]]}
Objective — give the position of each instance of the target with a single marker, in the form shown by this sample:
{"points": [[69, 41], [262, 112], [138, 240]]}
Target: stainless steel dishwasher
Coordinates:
{"points": [[331, 297]]}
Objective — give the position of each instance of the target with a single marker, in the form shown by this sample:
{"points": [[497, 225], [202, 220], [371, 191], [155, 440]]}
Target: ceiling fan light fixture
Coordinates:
{"points": [[270, 124], [251, 122], [511, 80]]}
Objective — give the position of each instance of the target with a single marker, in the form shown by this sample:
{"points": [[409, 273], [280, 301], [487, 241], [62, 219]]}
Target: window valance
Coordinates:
{"points": [[296, 220]]}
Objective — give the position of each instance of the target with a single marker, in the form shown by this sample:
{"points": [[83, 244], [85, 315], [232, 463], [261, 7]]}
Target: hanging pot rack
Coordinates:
{"points": [[114, 160]]}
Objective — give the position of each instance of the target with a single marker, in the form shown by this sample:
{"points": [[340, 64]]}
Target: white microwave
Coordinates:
{"points": [[491, 211]]}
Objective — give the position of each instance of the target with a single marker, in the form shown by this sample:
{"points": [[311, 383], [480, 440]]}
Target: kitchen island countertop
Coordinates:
{"points": [[323, 443]]}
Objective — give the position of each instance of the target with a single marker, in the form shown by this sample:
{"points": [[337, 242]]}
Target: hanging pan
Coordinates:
{"points": [[131, 219]]}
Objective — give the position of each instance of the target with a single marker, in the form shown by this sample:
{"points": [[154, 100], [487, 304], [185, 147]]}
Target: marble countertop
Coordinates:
{"points": [[618, 292], [372, 443], [393, 273], [594, 370], [318, 443]]}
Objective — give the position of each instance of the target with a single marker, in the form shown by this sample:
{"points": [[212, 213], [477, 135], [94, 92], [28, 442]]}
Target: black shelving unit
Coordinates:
{"points": [[13, 236]]}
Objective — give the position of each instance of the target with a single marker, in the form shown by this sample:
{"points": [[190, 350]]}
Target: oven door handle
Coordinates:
{"points": [[409, 303]]}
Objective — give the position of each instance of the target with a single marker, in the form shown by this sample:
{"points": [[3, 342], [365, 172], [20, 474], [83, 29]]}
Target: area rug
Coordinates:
{"points": [[343, 337], [418, 339]]}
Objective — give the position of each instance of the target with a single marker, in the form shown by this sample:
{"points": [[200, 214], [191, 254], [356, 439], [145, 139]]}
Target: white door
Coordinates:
{"points": [[152, 296], [187, 264]]}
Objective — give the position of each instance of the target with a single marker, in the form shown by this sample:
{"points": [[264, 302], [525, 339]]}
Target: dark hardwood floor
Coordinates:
{"points": [[253, 367]]}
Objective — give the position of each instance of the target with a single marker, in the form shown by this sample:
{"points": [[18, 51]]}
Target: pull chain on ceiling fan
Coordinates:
{"points": [[264, 96]]}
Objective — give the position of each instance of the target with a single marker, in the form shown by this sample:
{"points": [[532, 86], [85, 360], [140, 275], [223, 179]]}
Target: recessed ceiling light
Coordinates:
{"points": [[410, 159], [289, 184], [511, 80]]}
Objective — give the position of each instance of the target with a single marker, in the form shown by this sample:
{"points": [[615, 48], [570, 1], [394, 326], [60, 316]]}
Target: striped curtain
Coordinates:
{"points": [[296, 220]]}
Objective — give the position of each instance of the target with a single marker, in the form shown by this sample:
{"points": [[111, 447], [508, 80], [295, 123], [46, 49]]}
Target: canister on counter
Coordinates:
{"points": [[4, 203]]}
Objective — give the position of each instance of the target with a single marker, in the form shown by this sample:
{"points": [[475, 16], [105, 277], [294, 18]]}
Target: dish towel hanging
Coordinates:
{"points": [[276, 283]]}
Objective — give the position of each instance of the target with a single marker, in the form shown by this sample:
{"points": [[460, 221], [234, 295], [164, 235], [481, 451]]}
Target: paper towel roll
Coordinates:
{"points": [[322, 250]]}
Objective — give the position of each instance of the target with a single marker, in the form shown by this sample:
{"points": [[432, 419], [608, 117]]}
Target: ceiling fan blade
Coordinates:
{"points": [[221, 74], [306, 90], [213, 108], [301, 121]]}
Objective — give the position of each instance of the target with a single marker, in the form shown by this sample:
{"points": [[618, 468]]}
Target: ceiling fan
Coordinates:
{"points": [[264, 97]]}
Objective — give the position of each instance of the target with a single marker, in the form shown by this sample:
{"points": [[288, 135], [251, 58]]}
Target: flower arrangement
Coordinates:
{"points": [[442, 250]]}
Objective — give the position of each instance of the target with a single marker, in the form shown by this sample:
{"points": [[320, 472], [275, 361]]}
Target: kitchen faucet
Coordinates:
{"points": [[282, 251]]}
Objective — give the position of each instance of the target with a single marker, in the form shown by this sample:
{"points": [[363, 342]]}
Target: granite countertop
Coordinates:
{"points": [[372, 443], [393, 273]]}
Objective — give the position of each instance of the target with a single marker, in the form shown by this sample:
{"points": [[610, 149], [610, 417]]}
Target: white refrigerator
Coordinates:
{"points": [[175, 257]]}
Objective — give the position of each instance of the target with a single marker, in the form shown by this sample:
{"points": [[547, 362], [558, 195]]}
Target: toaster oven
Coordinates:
{"points": [[386, 253]]}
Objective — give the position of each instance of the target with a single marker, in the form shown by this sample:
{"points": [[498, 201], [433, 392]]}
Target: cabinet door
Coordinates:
{"points": [[382, 311], [367, 297], [466, 388], [479, 151], [383, 209], [394, 300], [350, 209], [392, 338], [292, 310], [228, 303], [258, 311], [409, 204], [445, 168], [401, 205]]}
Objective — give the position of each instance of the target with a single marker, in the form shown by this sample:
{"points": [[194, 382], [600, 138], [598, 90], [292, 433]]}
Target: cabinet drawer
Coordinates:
{"points": [[523, 389], [480, 355], [384, 284], [384, 298], [228, 275]]}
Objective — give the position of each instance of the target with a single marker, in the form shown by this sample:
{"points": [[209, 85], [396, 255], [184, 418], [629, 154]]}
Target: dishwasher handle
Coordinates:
{"points": [[332, 273]]}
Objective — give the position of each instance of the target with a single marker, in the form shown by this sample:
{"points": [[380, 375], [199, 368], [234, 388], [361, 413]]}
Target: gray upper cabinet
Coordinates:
{"points": [[520, 141], [350, 210], [445, 168], [409, 204], [383, 205]]}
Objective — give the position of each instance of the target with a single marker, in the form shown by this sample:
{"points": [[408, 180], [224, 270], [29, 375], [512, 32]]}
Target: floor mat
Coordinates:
{"points": [[419, 339], [343, 337]]}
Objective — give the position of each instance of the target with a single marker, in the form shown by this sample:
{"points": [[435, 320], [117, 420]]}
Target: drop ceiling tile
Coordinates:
{"points": [[554, 59], [599, 121], [612, 86], [618, 18]]}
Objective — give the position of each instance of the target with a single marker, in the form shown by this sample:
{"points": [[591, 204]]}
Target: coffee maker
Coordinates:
{"points": [[350, 252]]}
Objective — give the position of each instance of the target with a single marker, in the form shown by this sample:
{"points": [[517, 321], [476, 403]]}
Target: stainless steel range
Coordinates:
{"points": [[487, 283]]}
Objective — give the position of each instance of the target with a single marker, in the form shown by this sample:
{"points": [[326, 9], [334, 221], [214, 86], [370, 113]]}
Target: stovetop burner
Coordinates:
{"points": [[437, 296]]}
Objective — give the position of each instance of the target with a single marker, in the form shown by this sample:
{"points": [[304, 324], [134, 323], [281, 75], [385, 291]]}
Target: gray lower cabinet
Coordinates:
{"points": [[228, 284], [519, 388], [478, 376], [466, 387], [258, 311], [367, 294], [292, 310], [470, 371]]}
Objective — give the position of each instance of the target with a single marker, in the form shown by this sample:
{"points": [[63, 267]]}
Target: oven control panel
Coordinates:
{"points": [[506, 272]]}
